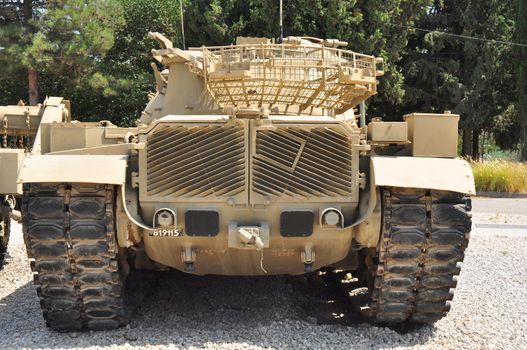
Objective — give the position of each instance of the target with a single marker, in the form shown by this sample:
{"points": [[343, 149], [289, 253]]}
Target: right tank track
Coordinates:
{"points": [[423, 239]]}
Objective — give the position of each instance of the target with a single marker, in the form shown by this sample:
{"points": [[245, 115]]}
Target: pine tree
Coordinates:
{"points": [[520, 36], [56, 38], [447, 70]]}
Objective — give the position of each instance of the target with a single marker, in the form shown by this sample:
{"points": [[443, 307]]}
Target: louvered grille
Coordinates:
{"points": [[292, 162], [195, 161]]}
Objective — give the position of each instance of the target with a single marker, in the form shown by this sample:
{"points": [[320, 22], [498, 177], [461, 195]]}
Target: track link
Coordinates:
{"points": [[424, 235], [70, 239], [5, 226]]}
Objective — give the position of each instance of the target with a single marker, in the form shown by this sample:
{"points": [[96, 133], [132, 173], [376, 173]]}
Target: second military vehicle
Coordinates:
{"points": [[18, 127], [248, 160]]}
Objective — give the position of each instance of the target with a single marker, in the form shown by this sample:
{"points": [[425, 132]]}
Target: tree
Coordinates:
{"points": [[119, 91], [447, 70], [376, 27], [97, 53], [368, 26], [57, 38], [214, 22], [520, 62], [17, 28]]}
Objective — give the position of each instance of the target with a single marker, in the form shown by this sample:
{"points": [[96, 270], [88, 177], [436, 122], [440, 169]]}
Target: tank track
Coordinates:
{"points": [[424, 235], [5, 226], [70, 239]]}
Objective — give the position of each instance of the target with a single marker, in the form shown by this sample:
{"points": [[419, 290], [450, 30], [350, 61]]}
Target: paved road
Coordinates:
{"points": [[516, 206]]}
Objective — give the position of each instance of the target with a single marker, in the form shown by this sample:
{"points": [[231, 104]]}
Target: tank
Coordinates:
{"points": [[249, 159], [18, 128]]}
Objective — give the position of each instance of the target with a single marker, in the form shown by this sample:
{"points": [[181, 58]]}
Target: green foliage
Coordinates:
{"points": [[506, 131], [120, 81], [61, 37], [520, 62], [500, 176], [63, 41], [97, 53], [369, 26], [470, 77], [12, 85], [214, 22], [119, 92]]}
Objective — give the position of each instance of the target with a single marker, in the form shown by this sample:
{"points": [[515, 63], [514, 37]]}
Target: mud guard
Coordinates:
{"points": [[10, 163], [413, 172], [70, 168], [420, 172]]}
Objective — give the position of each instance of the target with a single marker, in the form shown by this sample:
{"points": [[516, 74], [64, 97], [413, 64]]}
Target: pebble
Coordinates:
{"points": [[129, 335], [188, 312]]}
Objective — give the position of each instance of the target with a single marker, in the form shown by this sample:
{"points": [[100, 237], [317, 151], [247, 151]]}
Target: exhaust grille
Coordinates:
{"points": [[196, 161], [292, 162]]}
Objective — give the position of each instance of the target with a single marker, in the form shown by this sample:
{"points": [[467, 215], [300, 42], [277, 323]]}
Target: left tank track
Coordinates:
{"points": [[69, 232]]}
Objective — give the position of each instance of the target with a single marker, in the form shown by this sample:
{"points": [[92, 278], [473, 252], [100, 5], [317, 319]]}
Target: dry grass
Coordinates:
{"points": [[500, 176]]}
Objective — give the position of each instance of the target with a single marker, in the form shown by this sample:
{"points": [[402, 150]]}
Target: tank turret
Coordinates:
{"points": [[306, 76]]}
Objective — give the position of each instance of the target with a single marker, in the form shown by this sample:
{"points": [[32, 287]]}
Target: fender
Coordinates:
{"points": [[413, 172], [101, 169], [421, 172], [10, 163]]}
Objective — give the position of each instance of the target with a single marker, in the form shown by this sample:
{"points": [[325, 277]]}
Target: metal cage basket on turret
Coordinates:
{"points": [[288, 78]]}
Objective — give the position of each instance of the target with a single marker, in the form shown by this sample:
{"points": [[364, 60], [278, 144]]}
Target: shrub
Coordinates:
{"points": [[500, 176]]}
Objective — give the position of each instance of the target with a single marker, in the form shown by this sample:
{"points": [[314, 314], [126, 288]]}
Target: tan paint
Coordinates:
{"points": [[213, 256], [19, 120], [127, 231], [115, 149], [387, 132], [433, 135], [68, 136], [248, 129], [419, 172], [183, 95], [10, 163], [367, 228], [23, 122], [68, 168], [52, 114]]}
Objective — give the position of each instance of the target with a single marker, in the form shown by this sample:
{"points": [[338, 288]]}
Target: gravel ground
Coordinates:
{"points": [[187, 312], [500, 218]]}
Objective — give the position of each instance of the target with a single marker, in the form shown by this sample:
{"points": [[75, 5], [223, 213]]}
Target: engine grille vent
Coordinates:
{"points": [[197, 162], [293, 162]]}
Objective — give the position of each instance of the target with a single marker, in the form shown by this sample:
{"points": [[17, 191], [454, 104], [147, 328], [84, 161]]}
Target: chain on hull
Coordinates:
{"points": [[69, 235], [424, 235]]}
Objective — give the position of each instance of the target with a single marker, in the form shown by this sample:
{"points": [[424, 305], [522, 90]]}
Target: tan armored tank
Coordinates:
{"points": [[248, 160], [18, 127]]}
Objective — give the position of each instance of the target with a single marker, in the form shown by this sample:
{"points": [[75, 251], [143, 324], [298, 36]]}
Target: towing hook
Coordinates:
{"points": [[189, 266], [308, 267]]}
